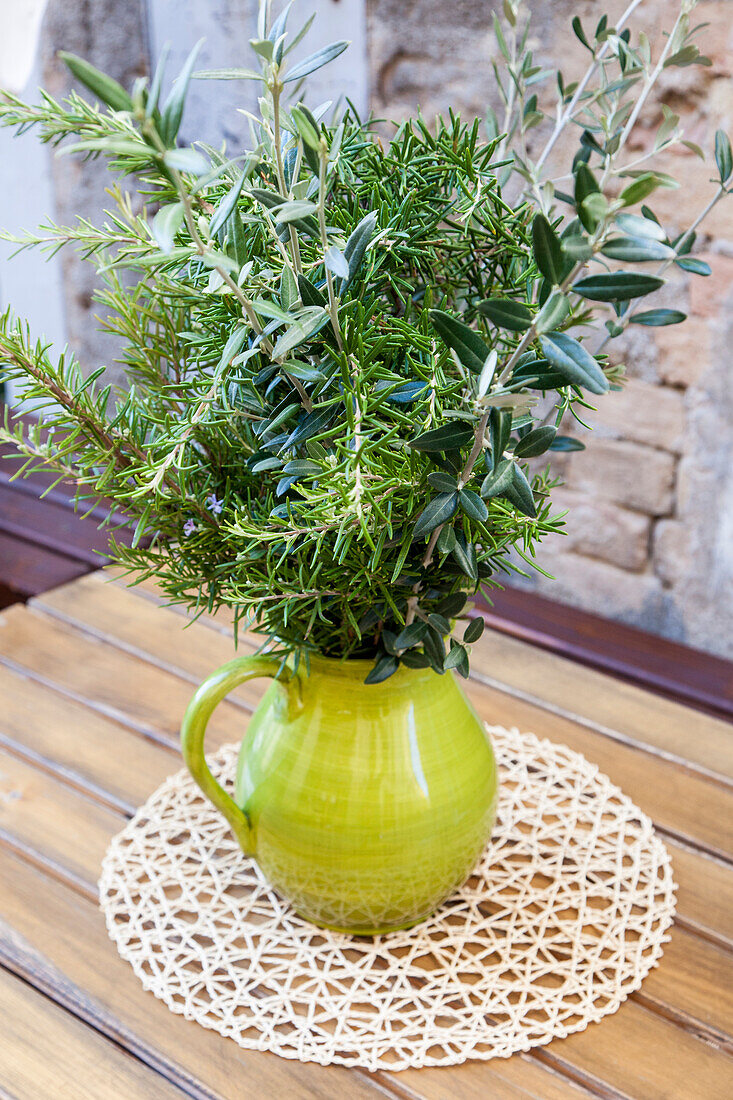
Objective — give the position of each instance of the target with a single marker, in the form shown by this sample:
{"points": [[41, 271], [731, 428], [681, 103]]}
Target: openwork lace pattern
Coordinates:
{"points": [[561, 920]]}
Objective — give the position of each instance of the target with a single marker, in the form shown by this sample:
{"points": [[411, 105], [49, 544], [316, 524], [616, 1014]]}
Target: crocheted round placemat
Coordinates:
{"points": [[563, 917]]}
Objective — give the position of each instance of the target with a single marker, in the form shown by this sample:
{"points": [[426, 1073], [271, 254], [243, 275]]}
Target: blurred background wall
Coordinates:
{"points": [[650, 525]]}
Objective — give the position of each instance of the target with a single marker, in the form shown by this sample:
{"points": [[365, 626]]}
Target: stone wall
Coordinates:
{"points": [[650, 502], [113, 37]]}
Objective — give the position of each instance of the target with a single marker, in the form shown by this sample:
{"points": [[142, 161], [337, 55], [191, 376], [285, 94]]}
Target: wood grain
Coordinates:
{"points": [[121, 687], [73, 741], [46, 1052], [705, 893], [42, 816], [51, 525], [646, 1057], [694, 983], [28, 568], [682, 673], [619, 709]]}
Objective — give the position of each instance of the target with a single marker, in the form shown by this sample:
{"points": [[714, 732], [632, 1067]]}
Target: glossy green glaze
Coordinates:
{"points": [[364, 805]]}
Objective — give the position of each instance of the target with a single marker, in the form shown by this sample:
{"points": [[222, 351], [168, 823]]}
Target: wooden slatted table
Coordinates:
{"points": [[94, 678]]}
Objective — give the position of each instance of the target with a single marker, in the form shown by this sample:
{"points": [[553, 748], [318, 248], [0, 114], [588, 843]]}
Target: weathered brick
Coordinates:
{"points": [[683, 351], [671, 551], [599, 529], [628, 473], [644, 413]]}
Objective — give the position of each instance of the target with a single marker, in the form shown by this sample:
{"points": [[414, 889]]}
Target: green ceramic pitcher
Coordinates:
{"points": [[365, 806]]}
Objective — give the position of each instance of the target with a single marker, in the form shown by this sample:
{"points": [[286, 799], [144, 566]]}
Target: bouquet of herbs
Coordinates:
{"points": [[345, 356]]}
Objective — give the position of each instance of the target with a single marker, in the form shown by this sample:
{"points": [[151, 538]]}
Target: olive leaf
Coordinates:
{"points": [[467, 344], [694, 265], [723, 156], [439, 510], [303, 467], [506, 313], [636, 249], [101, 85], [411, 635], [636, 226], [553, 312], [446, 540], [445, 483], [315, 61], [166, 224], [464, 555], [487, 373], [498, 480], [547, 250], [336, 261], [227, 204], [658, 317], [456, 657], [170, 119], [617, 286], [312, 319], [519, 492], [186, 160], [385, 667], [573, 362], [474, 630], [536, 442], [309, 294], [585, 186], [356, 247], [566, 443], [500, 428], [450, 436], [472, 505]]}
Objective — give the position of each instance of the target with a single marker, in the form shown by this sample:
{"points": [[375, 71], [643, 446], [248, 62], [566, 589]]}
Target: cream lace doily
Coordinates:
{"points": [[563, 917]]}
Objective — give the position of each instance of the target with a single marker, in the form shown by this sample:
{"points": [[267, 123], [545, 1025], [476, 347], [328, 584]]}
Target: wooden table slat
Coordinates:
{"points": [[42, 817], [28, 567], [46, 1052], [72, 740]]}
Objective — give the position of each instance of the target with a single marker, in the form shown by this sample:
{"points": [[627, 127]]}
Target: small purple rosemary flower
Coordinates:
{"points": [[214, 505], [189, 527]]}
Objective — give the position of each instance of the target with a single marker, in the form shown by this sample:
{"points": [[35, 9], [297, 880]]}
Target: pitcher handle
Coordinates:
{"points": [[207, 697]]}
